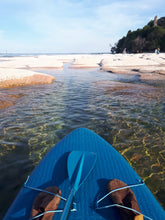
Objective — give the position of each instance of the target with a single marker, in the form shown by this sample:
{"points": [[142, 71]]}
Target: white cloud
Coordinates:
{"points": [[72, 25], [116, 18]]}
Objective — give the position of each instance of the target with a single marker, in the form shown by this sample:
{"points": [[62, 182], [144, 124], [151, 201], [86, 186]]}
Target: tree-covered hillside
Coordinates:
{"points": [[147, 39]]}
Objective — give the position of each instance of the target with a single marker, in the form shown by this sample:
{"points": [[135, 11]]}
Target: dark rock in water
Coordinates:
{"points": [[161, 195], [5, 103], [9, 100]]}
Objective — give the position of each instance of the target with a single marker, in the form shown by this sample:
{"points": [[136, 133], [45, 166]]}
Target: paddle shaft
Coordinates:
{"points": [[75, 187], [78, 172], [68, 205]]}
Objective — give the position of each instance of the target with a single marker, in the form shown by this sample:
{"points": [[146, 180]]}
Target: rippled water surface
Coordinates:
{"points": [[126, 112]]}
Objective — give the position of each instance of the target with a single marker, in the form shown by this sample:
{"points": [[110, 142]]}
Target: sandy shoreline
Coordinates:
{"points": [[22, 71], [17, 71]]}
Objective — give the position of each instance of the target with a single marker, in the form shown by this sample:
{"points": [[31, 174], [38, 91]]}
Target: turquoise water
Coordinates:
{"points": [[128, 113]]}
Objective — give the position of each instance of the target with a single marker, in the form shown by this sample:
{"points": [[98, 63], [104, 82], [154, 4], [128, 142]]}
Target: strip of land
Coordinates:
{"points": [[149, 66], [22, 71]]}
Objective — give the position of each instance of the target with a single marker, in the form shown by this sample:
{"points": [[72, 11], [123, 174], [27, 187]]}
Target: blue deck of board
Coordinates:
{"points": [[52, 171]]}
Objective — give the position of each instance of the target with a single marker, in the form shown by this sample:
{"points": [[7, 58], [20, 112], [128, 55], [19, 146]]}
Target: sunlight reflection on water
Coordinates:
{"points": [[127, 113]]}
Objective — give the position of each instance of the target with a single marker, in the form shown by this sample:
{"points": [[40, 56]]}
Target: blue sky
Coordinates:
{"points": [[71, 26]]}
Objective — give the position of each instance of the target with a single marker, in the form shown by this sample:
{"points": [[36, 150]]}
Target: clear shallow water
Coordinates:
{"points": [[126, 112]]}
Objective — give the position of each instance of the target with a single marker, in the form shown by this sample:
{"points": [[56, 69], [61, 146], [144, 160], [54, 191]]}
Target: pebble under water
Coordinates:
{"points": [[126, 112]]}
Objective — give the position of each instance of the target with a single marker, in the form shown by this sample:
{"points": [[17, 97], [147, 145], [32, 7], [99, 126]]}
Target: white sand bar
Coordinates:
{"points": [[41, 61], [146, 65], [88, 61], [17, 71], [20, 77]]}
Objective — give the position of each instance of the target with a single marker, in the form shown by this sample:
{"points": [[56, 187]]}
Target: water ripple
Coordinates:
{"points": [[129, 114]]}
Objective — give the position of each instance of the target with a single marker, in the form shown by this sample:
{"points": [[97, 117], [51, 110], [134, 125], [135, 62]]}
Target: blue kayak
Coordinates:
{"points": [[81, 165]]}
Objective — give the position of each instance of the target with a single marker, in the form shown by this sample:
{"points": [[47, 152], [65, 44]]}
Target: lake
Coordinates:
{"points": [[125, 111]]}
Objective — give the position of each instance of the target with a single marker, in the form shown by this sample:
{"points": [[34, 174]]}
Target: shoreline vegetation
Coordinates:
{"points": [[147, 39], [22, 71]]}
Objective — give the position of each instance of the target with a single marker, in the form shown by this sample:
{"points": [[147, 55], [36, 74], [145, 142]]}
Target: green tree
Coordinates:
{"points": [[146, 39]]}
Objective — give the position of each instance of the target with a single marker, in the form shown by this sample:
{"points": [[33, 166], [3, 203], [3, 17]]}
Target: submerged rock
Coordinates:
{"points": [[9, 100], [5, 103]]}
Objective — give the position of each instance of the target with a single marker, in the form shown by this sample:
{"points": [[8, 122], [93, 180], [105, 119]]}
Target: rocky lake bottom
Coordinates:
{"points": [[127, 112]]}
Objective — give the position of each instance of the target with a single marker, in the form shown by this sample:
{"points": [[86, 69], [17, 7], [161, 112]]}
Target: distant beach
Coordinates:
{"points": [[16, 71]]}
